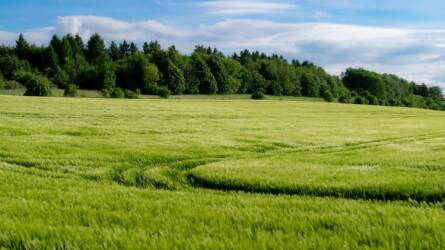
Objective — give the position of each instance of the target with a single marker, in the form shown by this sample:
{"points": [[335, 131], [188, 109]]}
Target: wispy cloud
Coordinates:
{"points": [[113, 29], [244, 7], [417, 54]]}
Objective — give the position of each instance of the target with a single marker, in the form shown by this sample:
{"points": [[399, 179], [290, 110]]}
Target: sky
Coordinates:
{"points": [[404, 37]]}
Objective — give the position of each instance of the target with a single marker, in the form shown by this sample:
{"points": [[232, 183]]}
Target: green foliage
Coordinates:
{"points": [[96, 51], [131, 94], [66, 60], [361, 80], [258, 95], [117, 93], [421, 90], [153, 77], [174, 78], [12, 84], [114, 52], [36, 85], [234, 69], [10, 64], [360, 100], [435, 93], [2, 81], [202, 76], [163, 92], [309, 86], [221, 76], [327, 96], [22, 48], [61, 78], [109, 82], [71, 91], [344, 99]]}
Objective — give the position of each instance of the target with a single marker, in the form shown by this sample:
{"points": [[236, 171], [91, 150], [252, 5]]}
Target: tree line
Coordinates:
{"points": [[124, 70]]}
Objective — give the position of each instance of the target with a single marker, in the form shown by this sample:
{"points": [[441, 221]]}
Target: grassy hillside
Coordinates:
{"points": [[203, 173]]}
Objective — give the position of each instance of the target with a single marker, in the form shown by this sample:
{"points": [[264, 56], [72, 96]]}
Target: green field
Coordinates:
{"points": [[219, 173]]}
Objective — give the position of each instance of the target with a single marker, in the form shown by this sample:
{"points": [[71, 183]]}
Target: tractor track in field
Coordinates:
{"points": [[180, 173], [374, 193]]}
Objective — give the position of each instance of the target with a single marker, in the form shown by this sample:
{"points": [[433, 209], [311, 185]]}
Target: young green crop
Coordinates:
{"points": [[133, 174]]}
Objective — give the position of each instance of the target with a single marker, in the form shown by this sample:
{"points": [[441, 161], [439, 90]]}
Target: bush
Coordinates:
{"points": [[61, 79], [327, 96], [163, 92], [109, 82], [13, 85], [359, 100], [257, 95], [394, 102], [36, 85], [150, 89], [344, 99], [71, 91], [131, 94], [117, 93], [2, 82], [372, 100], [106, 93]]}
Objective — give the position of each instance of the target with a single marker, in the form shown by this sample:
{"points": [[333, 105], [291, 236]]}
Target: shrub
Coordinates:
{"points": [[13, 85], [258, 95], [150, 89], [327, 96], [106, 93], [61, 79], [344, 99], [394, 102], [163, 92], [372, 100], [359, 100], [117, 93], [71, 90], [2, 82], [131, 94], [36, 85], [275, 89], [109, 82]]}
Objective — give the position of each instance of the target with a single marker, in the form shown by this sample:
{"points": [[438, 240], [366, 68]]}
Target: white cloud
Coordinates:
{"points": [[244, 7], [417, 54], [37, 36], [113, 29]]}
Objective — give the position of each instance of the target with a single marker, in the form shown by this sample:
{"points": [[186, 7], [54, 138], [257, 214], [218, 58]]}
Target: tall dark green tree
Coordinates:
{"points": [[133, 49], [220, 73], [57, 45], [174, 78], [309, 86], [113, 51], [109, 82], [124, 49], [202, 77], [22, 48], [96, 51], [361, 80]]}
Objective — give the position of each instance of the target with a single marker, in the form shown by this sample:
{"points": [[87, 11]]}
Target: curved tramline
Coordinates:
{"points": [[398, 168]]}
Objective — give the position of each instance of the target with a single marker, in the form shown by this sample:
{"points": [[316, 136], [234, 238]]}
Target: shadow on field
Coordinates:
{"points": [[374, 193]]}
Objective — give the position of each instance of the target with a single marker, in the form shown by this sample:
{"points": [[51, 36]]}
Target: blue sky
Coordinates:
{"points": [[403, 37], [19, 15]]}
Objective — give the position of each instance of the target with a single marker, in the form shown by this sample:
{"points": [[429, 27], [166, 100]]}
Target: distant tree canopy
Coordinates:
{"points": [[122, 67]]}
